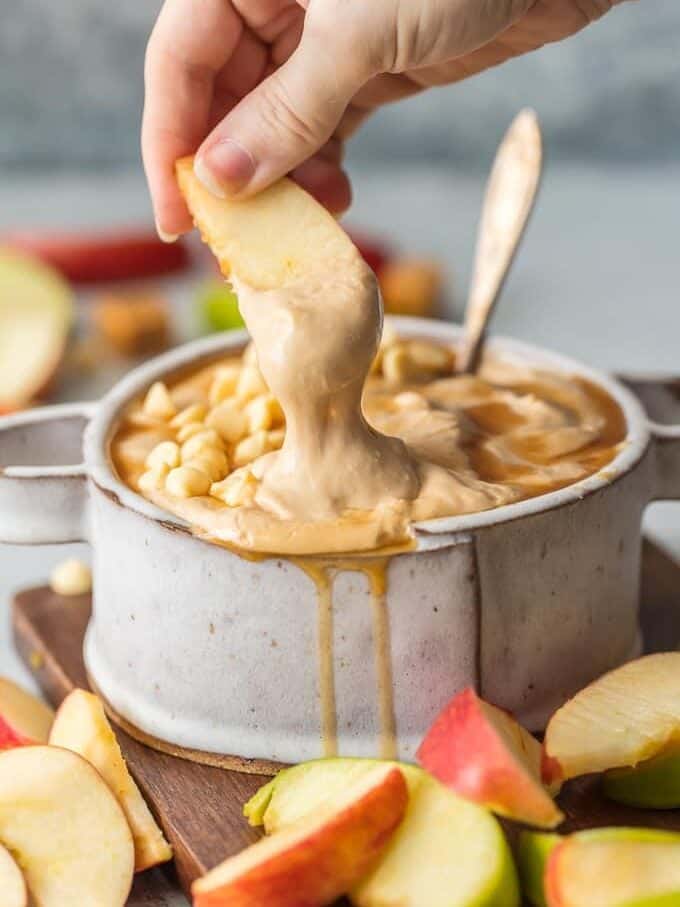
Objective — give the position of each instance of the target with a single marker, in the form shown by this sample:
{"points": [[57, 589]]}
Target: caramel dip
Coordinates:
{"points": [[315, 440]]}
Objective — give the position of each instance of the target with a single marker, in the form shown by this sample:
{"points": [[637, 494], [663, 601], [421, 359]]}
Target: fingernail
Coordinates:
{"points": [[224, 168], [166, 237]]}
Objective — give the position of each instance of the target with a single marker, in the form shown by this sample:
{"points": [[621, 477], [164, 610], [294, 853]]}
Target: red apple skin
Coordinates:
{"points": [[9, 737], [463, 750], [375, 253], [114, 255], [551, 771], [319, 867], [551, 875]]}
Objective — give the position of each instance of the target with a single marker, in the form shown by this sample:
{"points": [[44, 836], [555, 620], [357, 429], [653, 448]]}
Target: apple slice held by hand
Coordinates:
{"points": [[36, 311], [65, 829], [446, 851], [625, 717], [24, 719], [483, 754], [13, 891], [315, 860], [618, 867], [81, 726], [269, 239]]}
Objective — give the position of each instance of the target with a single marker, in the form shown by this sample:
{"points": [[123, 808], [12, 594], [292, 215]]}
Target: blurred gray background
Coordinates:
{"points": [[71, 91]]}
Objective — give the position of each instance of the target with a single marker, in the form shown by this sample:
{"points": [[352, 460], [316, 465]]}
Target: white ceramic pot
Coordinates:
{"points": [[203, 649]]}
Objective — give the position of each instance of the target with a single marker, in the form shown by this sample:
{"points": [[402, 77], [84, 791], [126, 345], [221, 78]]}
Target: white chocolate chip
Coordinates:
{"points": [[250, 448], [224, 383], [189, 430], [167, 452], [187, 482], [71, 577], [250, 383], [396, 365], [237, 489], [194, 413], [158, 402], [208, 438], [429, 357], [228, 419], [212, 461], [154, 479], [263, 412], [275, 438]]}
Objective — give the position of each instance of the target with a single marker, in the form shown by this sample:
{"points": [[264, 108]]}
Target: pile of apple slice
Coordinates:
{"points": [[74, 827], [393, 835]]}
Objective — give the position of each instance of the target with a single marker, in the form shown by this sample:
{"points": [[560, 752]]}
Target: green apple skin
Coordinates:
{"points": [[403, 875], [653, 784], [533, 851], [218, 305]]}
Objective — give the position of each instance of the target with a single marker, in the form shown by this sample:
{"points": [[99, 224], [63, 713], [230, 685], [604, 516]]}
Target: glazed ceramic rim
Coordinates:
{"points": [[98, 432]]}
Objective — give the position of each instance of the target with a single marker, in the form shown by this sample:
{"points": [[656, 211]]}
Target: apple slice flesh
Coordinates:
{"points": [[81, 725], [446, 851], [654, 784], [318, 858], [36, 311], [623, 867], [483, 754], [24, 719], [267, 240], [13, 891], [65, 828], [625, 717]]}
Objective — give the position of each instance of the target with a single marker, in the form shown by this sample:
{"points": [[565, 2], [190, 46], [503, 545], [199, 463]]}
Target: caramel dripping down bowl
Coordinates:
{"points": [[213, 655]]}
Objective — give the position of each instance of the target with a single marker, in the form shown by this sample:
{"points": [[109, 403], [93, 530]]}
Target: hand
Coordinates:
{"points": [[262, 87]]}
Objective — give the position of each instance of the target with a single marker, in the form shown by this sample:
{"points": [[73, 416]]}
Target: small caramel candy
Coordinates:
{"points": [[134, 325]]}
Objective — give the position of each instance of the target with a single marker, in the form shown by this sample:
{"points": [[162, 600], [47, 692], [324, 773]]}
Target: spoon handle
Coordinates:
{"points": [[508, 201]]}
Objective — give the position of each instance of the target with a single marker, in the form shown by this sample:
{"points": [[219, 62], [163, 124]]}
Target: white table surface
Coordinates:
{"points": [[598, 278]]}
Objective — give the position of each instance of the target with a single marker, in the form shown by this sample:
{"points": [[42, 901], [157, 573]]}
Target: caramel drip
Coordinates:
{"points": [[377, 578], [322, 577], [322, 572]]}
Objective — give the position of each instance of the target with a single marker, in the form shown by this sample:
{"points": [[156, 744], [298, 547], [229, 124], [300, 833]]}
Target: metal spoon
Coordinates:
{"points": [[509, 198]]}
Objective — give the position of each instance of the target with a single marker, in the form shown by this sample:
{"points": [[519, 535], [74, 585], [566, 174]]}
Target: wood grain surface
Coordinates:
{"points": [[199, 806]]}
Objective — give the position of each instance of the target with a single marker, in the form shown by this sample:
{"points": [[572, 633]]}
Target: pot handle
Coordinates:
{"points": [[660, 396], [42, 496]]}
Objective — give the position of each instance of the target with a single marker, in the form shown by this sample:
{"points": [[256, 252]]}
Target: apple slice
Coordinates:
{"points": [[82, 726], [24, 719], [621, 867], [483, 754], [269, 239], [36, 311], [315, 860], [654, 784], [625, 717], [446, 851], [12, 882], [65, 829]]}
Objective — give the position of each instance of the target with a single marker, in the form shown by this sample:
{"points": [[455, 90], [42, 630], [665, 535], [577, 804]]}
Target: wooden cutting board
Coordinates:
{"points": [[199, 806]]}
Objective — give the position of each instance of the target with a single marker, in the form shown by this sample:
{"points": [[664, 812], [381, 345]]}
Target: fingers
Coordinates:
{"points": [[191, 42], [286, 118]]}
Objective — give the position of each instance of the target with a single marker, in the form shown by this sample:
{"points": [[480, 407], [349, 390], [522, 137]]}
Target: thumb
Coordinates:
{"points": [[284, 120]]}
